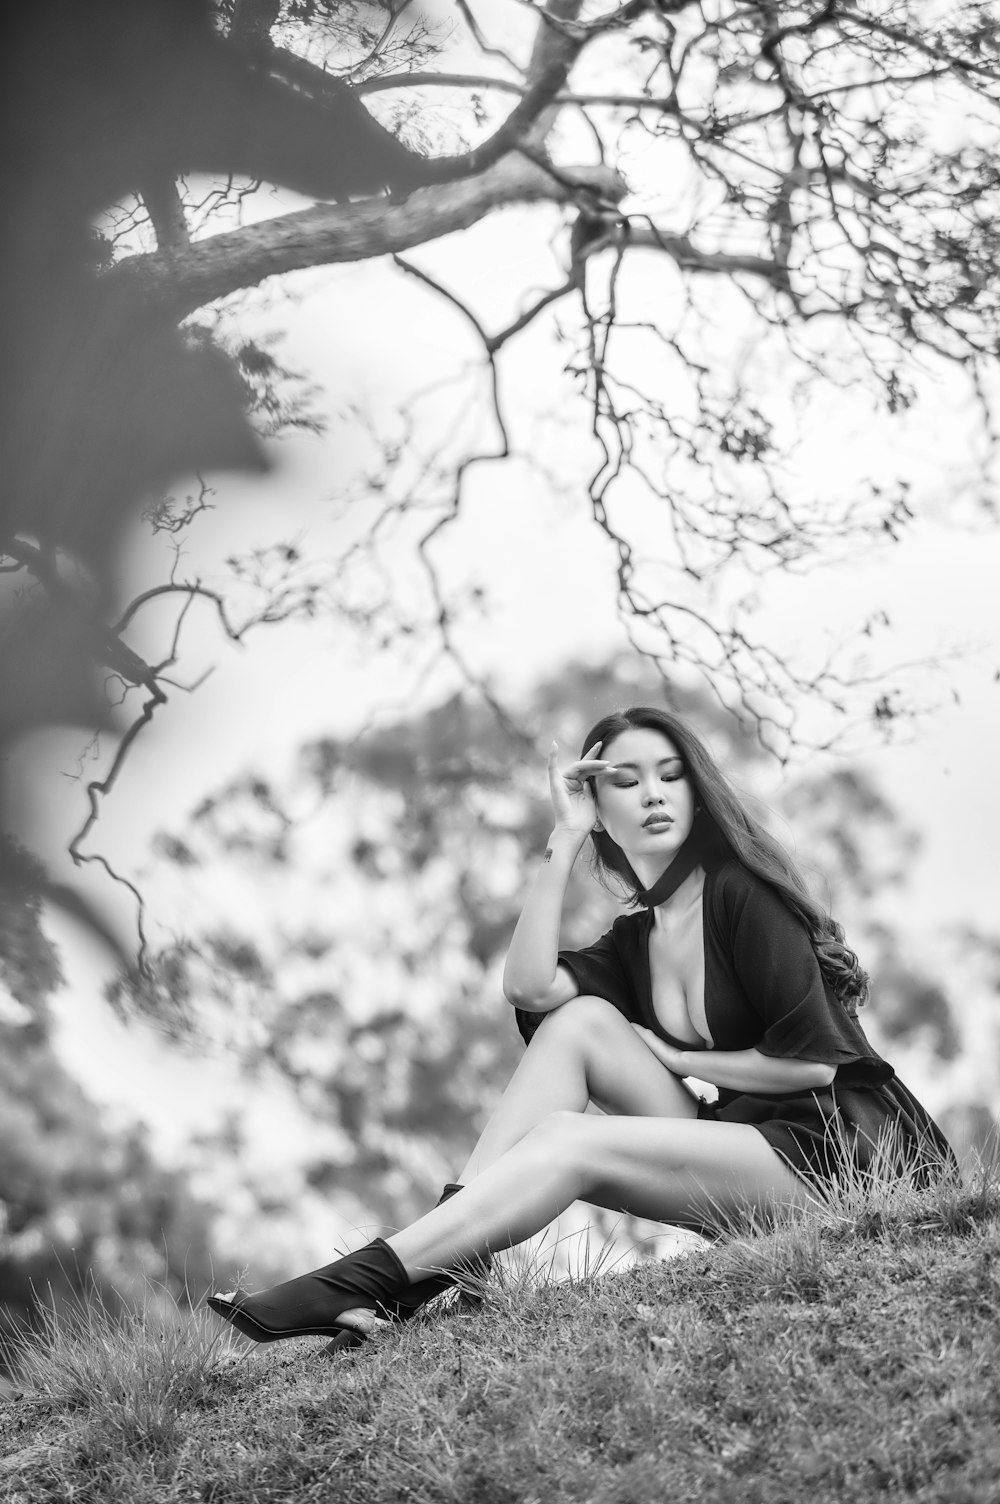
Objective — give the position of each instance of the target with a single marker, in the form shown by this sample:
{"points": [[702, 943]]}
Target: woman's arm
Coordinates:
{"points": [[741, 1070], [532, 977]]}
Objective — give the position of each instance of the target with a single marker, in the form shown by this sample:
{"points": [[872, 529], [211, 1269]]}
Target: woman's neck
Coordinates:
{"points": [[670, 881], [685, 897]]}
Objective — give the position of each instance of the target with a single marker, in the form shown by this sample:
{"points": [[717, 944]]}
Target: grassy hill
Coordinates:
{"points": [[848, 1355]]}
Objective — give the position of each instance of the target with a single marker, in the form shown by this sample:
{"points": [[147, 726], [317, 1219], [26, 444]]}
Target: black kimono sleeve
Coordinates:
{"points": [[778, 971], [598, 972]]}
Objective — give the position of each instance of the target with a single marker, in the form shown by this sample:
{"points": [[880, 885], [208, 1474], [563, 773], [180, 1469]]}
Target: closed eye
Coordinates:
{"points": [[630, 783]]}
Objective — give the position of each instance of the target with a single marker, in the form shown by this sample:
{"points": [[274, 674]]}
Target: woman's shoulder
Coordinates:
{"points": [[625, 926], [730, 888], [626, 935], [728, 881]]}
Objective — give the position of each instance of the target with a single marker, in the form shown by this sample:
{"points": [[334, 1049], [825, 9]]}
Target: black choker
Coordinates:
{"points": [[666, 885]]}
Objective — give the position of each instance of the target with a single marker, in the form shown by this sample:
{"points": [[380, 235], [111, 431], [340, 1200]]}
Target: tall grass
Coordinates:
{"points": [[134, 1371]]}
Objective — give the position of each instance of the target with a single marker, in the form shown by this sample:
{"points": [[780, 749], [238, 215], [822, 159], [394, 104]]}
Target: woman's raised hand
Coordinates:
{"points": [[572, 800]]}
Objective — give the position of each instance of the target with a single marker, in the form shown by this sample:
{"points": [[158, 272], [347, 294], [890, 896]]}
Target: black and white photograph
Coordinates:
{"points": [[500, 752]]}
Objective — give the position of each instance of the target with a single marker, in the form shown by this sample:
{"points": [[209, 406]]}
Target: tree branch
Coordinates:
{"points": [[556, 48], [910, 37], [190, 589], [322, 141], [105, 644], [646, 236], [663, 104], [422, 80], [166, 212], [325, 235]]}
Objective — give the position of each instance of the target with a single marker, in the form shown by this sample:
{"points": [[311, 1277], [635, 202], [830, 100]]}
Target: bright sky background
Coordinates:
{"points": [[549, 576]]}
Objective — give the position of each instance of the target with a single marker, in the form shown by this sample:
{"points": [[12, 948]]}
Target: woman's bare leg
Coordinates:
{"points": [[672, 1171], [584, 1051]]}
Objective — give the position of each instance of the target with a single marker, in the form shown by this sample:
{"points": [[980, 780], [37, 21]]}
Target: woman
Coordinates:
{"points": [[727, 971]]}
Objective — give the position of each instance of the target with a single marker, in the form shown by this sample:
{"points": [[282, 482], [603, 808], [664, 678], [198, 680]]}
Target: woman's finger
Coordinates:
{"points": [[579, 774], [587, 761]]}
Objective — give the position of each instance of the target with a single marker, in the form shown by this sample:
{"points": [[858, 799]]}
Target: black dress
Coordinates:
{"points": [[764, 990]]}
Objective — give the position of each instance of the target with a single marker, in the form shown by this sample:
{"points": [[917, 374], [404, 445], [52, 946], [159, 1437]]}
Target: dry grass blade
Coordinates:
{"points": [[132, 1371]]}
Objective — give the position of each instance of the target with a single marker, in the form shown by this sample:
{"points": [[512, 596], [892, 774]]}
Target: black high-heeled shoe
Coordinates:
{"points": [[415, 1296], [411, 1300], [308, 1306]]}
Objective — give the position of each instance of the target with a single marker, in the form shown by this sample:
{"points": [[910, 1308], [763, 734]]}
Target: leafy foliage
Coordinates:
{"points": [[80, 1204], [29, 965]]}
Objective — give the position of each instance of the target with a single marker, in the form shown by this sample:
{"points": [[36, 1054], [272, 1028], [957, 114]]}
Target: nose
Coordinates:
{"points": [[653, 796]]}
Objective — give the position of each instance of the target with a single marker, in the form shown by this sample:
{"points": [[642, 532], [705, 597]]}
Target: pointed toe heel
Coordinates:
{"points": [[232, 1311], [310, 1306]]}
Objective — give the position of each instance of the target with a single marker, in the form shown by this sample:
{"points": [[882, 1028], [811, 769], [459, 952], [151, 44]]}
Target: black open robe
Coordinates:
{"points": [[764, 990]]}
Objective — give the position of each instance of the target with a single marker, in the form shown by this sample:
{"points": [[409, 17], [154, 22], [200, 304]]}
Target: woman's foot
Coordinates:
{"points": [[350, 1294], [468, 1273], [413, 1299]]}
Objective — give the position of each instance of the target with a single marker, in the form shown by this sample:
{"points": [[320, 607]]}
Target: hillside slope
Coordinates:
{"points": [[850, 1356]]}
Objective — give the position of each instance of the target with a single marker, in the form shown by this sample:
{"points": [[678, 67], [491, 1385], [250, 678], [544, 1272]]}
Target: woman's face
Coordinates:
{"points": [[647, 804]]}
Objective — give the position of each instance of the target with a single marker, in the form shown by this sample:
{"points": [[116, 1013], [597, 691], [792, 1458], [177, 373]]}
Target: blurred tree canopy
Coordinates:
{"points": [[820, 177], [82, 1207]]}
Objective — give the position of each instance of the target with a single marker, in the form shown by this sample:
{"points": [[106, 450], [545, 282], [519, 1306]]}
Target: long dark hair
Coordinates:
{"points": [[723, 828]]}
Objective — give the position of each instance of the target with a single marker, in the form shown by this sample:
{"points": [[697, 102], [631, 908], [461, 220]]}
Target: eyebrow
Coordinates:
{"points": [[635, 766]]}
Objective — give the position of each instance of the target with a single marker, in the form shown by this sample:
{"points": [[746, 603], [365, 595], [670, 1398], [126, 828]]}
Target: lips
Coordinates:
{"points": [[661, 821]]}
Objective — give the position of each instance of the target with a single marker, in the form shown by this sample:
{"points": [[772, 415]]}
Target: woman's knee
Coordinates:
{"points": [[585, 1018], [560, 1137]]}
